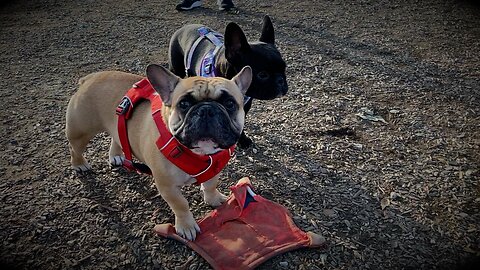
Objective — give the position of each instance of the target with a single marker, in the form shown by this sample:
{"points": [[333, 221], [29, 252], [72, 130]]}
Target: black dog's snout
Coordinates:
{"points": [[280, 81], [282, 85]]}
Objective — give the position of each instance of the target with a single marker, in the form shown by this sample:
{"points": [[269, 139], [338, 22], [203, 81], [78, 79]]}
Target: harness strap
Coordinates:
{"points": [[207, 68], [123, 111], [122, 126], [214, 37], [188, 57], [200, 167]]}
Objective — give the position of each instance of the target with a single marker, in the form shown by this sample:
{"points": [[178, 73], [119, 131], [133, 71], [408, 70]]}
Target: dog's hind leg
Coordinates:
{"points": [[77, 144], [115, 154], [78, 137]]}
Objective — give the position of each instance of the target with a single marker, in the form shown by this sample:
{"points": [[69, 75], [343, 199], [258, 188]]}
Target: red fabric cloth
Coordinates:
{"points": [[200, 167], [234, 237]]}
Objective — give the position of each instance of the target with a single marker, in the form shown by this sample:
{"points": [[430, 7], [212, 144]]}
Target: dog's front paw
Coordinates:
{"points": [[187, 227], [214, 199], [83, 168], [244, 142]]}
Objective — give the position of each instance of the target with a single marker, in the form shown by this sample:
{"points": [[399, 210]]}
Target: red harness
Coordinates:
{"points": [[200, 167]]}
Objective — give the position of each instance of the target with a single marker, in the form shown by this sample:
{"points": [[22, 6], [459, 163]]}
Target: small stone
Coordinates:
{"points": [[283, 264], [323, 258], [394, 195], [329, 212]]}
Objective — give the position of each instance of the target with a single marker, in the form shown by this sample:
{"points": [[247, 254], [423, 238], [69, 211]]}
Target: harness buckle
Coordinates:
{"points": [[124, 106], [208, 68], [128, 164], [176, 152]]}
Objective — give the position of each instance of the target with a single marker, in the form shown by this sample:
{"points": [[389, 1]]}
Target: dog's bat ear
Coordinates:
{"points": [[235, 41], [243, 79], [268, 33], [163, 81]]}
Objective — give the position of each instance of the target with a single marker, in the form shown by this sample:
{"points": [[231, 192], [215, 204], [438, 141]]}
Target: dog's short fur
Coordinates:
{"points": [[204, 114], [268, 67]]}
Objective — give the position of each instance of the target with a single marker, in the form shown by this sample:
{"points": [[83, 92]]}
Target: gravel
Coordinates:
{"points": [[376, 146]]}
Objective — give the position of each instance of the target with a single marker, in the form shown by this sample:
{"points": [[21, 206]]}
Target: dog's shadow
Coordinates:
{"points": [[100, 191]]}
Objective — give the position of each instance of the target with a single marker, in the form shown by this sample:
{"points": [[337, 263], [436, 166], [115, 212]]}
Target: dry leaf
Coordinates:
{"points": [[385, 202]]}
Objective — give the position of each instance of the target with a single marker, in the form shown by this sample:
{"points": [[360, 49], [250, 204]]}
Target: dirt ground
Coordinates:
{"points": [[376, 146]]}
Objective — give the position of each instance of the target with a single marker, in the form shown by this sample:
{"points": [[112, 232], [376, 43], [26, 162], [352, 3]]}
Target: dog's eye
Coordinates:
{"points": [[263, 75], [184, 104], [230, 104]]}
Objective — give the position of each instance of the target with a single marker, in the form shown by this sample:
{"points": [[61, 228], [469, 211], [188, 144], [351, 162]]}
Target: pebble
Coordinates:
{"points": [[329, 212], [323, 258]]}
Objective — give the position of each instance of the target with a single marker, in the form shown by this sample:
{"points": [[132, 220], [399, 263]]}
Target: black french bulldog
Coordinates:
{"points": [[197, 50]]}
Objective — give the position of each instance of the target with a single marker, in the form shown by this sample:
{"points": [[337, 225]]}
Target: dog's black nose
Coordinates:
{"points": [[206, 111]]}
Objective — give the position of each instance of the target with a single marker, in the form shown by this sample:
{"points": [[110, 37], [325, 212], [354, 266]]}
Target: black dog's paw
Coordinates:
{"points": [[244, 142]]}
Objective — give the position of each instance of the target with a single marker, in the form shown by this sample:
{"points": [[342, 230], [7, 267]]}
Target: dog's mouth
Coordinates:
{"points": [[206, 129], [205, 147]]}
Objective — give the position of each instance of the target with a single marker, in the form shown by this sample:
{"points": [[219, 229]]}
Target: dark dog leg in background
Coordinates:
{"points": [[244, 141]]}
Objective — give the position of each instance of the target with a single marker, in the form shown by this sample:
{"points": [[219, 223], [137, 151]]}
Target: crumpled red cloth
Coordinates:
{"points": [[245, 231]]}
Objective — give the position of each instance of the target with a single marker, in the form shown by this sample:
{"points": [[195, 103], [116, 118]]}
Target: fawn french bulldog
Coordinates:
{"points": [[205, 115]]}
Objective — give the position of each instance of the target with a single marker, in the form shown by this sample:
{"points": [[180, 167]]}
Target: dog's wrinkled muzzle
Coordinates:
{"points": [[206, 121]]}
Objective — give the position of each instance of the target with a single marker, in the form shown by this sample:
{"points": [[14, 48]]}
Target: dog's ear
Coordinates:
{"points": [[163, 81], [243, 79], [268, 34], [235, 41]]}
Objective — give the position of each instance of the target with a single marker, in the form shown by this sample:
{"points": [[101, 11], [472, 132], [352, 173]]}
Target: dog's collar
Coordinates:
{"points": [[246, 99], [200, 167]]}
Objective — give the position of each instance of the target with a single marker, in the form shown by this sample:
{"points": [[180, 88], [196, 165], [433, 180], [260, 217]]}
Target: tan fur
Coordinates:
{"points": [[91, 110]]}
